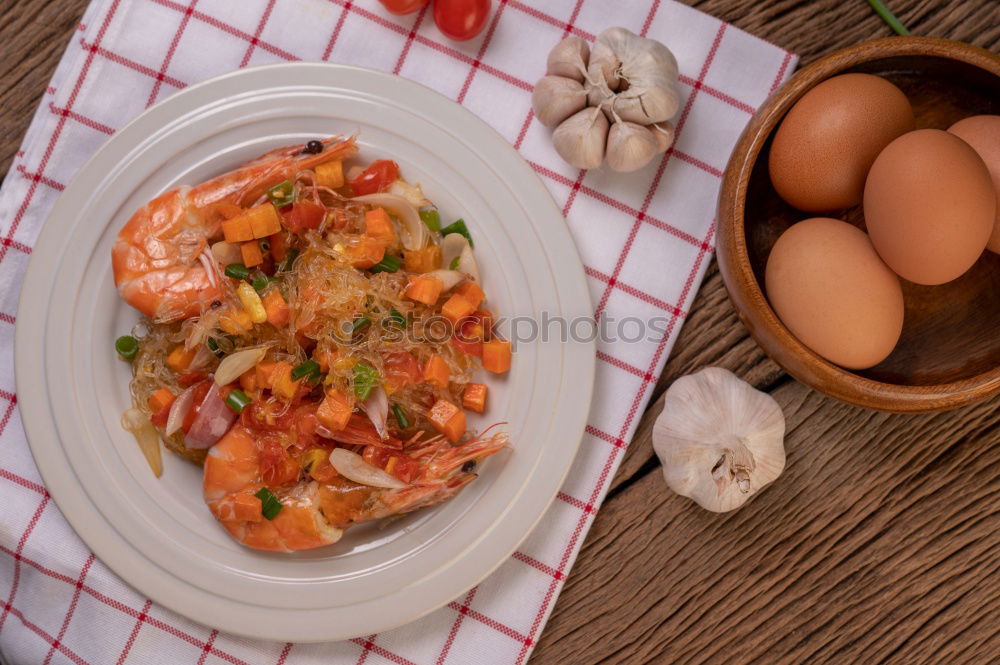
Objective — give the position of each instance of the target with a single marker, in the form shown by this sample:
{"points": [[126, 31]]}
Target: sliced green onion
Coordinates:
{"points": [[237, 271], [237, 400], [360, 323], [309, 368], [269, 504], [127, 346], [459, 227], [454, 263], [260, 281], [389, 263], [290, 256], [401, 417], [213, 346], [889, 17], [365, 379], [396, 317], [282, 194], [431, 218]]}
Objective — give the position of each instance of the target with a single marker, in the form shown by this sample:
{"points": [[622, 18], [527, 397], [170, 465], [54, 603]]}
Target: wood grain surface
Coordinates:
{"points": [[879, 544]]}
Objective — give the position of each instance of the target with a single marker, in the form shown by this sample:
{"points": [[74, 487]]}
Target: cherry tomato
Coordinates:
{"points": [[403, 6], [376, 178], [303, 215], [461, 19]]}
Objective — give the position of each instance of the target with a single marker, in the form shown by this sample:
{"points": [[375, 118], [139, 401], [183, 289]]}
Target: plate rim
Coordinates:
{"points": [[35, 406]]}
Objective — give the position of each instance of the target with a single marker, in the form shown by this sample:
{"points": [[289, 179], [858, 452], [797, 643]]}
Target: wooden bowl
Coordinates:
{"points": [[949, 352]]}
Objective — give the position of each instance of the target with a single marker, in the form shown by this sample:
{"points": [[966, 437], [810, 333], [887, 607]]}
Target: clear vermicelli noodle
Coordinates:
{"points": [[340, 326]]}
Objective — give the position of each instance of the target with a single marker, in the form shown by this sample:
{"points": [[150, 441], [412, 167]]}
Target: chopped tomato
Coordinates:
{"points": [[303, 215], [198, 397], [265, 416], [305, 426], [401, 370], [191, 378], [376, 178], [277, 468], [472, 347]]}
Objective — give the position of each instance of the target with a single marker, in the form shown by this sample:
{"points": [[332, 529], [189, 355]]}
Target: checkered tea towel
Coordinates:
{"points": [[645, 239]]}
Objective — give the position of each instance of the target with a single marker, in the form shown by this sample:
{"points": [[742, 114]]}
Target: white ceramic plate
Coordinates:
{"points": [[157, 534]]}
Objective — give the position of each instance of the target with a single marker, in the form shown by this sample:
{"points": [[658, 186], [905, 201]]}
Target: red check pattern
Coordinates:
{"points": [[645, 240]]}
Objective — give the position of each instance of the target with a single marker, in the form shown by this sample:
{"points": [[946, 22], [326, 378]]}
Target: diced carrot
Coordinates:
{"points": [[237, 229], [252, 256], [496, 356], [282, 383], [247, 508], [264, 220], [485, 319], [160, 400], [264, 374], [471, 347], [236, 322], [378, 225], [436, 371], [456, 307], [276, 308], [474, 397], [335, 410], [424, 289], [330, 174], [279, 245], [180, 359], [248, 380], [422, 260], [447, 419], [325, 357], [471, 292], [322, 471], [228, 210], [365, 252]]}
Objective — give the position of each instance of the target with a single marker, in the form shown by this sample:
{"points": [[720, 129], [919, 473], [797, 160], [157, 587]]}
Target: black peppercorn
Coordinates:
{"points": [[314, 147]]}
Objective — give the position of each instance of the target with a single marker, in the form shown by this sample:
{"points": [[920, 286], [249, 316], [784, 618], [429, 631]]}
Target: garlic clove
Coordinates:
{"points": [[630, 147], [663, 132], [719, 439], [580, 140], [569, 59], [603, 66], [556, 98], [642, 71], [645, 104]]}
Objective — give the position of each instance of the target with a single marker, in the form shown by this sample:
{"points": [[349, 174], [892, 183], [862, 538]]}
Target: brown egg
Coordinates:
{"points": [[982, 132], [929, 206], [827, 142], [833, 292]]}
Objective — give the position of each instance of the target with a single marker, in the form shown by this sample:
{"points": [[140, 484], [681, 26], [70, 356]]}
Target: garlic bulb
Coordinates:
{"points": [[646, 77], [556, 98], [569, 59], [719, 439], [581, 138], [630, 147]]}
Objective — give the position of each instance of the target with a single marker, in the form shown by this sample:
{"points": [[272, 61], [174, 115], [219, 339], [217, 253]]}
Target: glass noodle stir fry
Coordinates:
{"points": [[310, 337]]}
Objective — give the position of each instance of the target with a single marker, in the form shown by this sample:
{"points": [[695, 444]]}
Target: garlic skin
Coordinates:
{"points": [[556, 98], [569, 59], [648, 77], [663, 132], [604, 65], [719, 439], [580, 140], [630, 147]]}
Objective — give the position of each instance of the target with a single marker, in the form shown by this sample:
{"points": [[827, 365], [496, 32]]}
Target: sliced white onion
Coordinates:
{"points": [[210, 265], [448, 278], [226, 253], [354, 171], [213, 420], [416, 234], [201, 359], [353, 467], [467, 262], [411, 193], [178, 410], [377, 408], [451, 248], [233, 365], [136, 422]]}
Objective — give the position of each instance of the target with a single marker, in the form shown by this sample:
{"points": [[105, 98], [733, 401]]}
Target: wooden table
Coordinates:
{"points": [[881, 541]]}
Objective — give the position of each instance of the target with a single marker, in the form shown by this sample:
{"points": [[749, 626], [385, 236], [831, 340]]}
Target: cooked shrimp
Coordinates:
{"points": [[161, 262], [314, 514]]}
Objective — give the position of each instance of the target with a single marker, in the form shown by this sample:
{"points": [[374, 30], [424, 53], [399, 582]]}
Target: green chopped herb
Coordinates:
{"points": [[309, 368], [389, 263], [237, 271], [396, 317], [401, 417], [127, 346], [269, 504], [282, 194], [365, 379], [454, 263], [289, 260], [260, 281], [431, 218], [237, 400], [213, 346], [459, 227], [360, 323]]}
